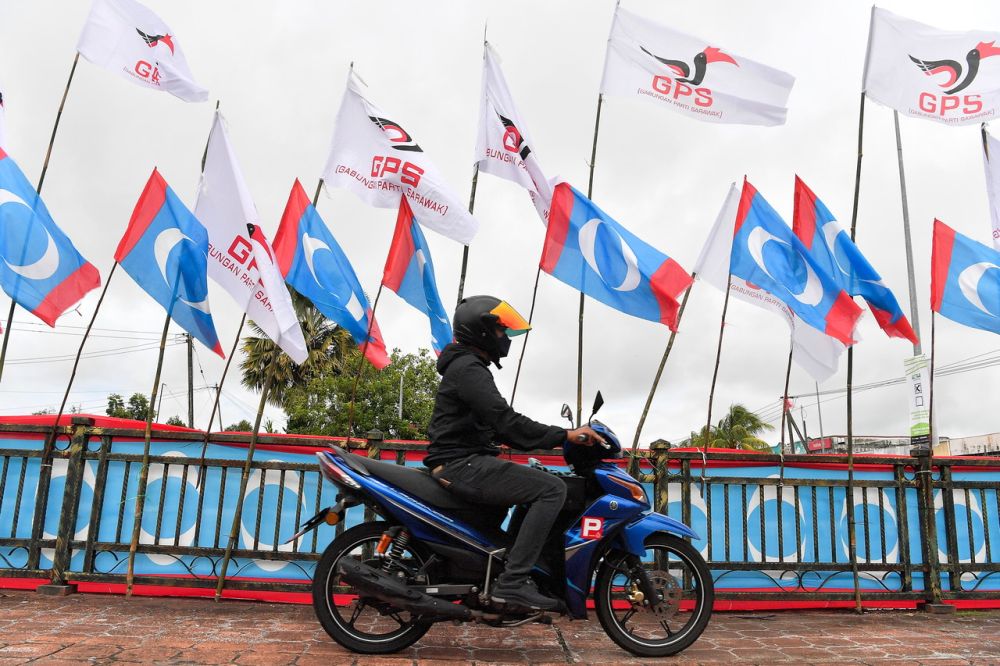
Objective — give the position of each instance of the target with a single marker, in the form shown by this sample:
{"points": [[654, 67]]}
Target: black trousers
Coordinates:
{"points": [[485, 479]]}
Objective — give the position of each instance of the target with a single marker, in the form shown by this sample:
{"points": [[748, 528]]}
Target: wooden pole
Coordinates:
{"points": [[465, 248], [79, 351], [215, 404], [361, 363], [38, 190], [718, 358], [784, 396], [140, 497], [908, 245], [524, 345], [633, 463], [238, 516], [590, 193]]}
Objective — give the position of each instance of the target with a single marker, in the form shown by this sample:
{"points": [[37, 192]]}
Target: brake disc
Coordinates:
{"points": [[670, 595]]}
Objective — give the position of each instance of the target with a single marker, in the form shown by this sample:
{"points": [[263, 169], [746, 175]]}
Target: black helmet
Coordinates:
{"points": [[477, 319]]}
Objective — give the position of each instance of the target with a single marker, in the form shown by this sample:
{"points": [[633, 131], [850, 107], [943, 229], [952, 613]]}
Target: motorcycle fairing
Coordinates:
{"points": [[633, 537]]}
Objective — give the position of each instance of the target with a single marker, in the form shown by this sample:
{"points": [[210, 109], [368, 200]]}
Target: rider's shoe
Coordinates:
{"points": [[521, 592]]}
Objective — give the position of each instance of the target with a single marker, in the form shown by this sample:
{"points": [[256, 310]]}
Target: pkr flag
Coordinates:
{"points": [[503, 147], [409, 272], [375, 158], [815, 352], [691, 75], [165, 250], [965, 279], [991, 161], [128, 39], [952, 77]]}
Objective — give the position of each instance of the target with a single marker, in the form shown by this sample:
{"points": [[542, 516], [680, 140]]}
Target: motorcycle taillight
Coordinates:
{"points": [[333, 472]]}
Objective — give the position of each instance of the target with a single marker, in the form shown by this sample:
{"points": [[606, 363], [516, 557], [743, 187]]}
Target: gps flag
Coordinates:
{"points": [[767, 254], [165, 250], [837, 254], [376, 159], [589, 251], [128, 39], [991, 162], [409, 272], [273, 311], [692, 76], [312, 262], [39, 268], [503, 147], [965, 279], [952, 77]]}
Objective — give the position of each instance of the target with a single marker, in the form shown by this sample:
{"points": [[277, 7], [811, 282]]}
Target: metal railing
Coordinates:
{"points": [[773, 527]]}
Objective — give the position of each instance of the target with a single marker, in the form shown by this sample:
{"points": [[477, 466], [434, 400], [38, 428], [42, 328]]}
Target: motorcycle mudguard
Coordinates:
{"points": [[633, 536]]}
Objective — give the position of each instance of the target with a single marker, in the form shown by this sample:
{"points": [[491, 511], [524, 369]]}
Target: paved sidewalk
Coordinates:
{"points": [[101, 629]]}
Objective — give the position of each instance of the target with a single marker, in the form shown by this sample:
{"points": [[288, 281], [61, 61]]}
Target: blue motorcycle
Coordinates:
{"points": [[432, 557]]}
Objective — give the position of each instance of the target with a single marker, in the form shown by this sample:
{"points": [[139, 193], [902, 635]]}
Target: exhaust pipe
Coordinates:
{"points": [[371, 582]]}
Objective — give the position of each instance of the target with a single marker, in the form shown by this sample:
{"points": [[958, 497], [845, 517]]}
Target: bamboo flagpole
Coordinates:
{"points": [[140, 497], [244, 478], [361, 362], [215, 403], [633, 461], [38, 190], [784, 396], [718, 358], [524, 345], [472, 206]]}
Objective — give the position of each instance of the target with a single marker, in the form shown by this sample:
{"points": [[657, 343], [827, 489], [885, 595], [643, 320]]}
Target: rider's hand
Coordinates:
{"points": [[585, 436]]}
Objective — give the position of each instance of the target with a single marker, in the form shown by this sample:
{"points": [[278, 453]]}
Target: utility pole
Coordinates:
{"points": [[190, 350]]}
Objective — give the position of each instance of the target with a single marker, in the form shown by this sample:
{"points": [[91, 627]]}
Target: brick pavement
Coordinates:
{"points": [[101, 629]]}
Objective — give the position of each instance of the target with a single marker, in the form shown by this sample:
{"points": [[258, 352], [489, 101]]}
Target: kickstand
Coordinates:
{"points": [[499, 552]]}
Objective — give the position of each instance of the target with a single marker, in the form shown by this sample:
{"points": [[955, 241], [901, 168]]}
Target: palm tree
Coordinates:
{"points": [[326, 342], [738, 429]]}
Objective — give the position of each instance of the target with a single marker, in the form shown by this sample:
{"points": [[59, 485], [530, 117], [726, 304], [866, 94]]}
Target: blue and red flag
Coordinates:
{"points": [[965, 279], [311, 261], [165, 250], [766, 253], [39, 267], [409, 272], [834, 250], [589, 251]]}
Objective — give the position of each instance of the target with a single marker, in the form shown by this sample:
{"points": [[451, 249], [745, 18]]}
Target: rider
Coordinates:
{"points": [[470, 415]]}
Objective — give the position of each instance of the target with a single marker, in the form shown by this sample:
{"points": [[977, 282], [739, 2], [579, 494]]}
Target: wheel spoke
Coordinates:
{"points": [[666, 628], [359, 606], [628, 615]]}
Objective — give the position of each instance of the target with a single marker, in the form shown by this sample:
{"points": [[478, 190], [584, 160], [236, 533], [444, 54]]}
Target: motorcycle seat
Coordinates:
{"points": [[416, 481]]}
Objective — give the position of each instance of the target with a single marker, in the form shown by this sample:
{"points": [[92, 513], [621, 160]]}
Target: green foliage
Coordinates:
{"points": [[137, 407], [322, 405], [738, 429], [176, 421], [43, 412], [242, 426]]}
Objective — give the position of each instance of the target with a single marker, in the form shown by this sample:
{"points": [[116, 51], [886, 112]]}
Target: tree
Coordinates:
{"points": [[137, 407], [322, 405], [176, 421], [242, 426], [326, 342], [738, 429]]}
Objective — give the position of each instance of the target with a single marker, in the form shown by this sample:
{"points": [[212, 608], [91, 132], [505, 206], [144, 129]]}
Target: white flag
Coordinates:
{"points": [[503, 147], [225, 208], [951, 77], [281, 324], [690, 75], [375, 158], [991, 161], [3, 117], [130, 40], [815, 352]]}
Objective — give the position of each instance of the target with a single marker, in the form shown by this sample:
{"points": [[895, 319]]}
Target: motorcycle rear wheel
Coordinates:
{"points": [[361, 625], [680, 576]]}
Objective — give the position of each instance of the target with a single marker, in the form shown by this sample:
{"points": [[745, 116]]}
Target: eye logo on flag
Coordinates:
{"points": [[953, 71], [767, 253], [312, 262], [696, 76], [41, 270], [165, 250], [399, 137], [965, 279], [588, 250]]}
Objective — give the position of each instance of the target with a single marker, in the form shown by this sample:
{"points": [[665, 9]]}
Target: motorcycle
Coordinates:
{"points": [[432, 557]]}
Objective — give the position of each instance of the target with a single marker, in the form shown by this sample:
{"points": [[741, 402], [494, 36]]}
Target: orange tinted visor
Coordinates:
{"points": [[510, 319]]}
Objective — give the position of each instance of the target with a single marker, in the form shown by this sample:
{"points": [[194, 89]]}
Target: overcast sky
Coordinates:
{"points": [[279, 68]]}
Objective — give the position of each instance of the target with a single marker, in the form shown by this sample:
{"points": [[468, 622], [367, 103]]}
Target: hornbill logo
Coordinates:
{"points": [[512, 139], [681, 68], [954, 70], [153, 40], [398, 136]]}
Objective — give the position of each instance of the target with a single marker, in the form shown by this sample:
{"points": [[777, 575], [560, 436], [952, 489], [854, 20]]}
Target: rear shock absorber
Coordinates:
{"points": [[395, 541]]}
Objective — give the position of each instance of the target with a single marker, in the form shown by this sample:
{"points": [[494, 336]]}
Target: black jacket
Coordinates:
{"points": [[470, 415]]}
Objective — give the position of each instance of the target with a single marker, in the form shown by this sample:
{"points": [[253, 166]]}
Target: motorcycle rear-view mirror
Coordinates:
{"points": [[566, 413], [598, 403]]}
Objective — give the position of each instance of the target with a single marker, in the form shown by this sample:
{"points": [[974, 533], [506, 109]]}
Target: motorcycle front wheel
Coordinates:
{"points": [[682, 606], [361, 624]]}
